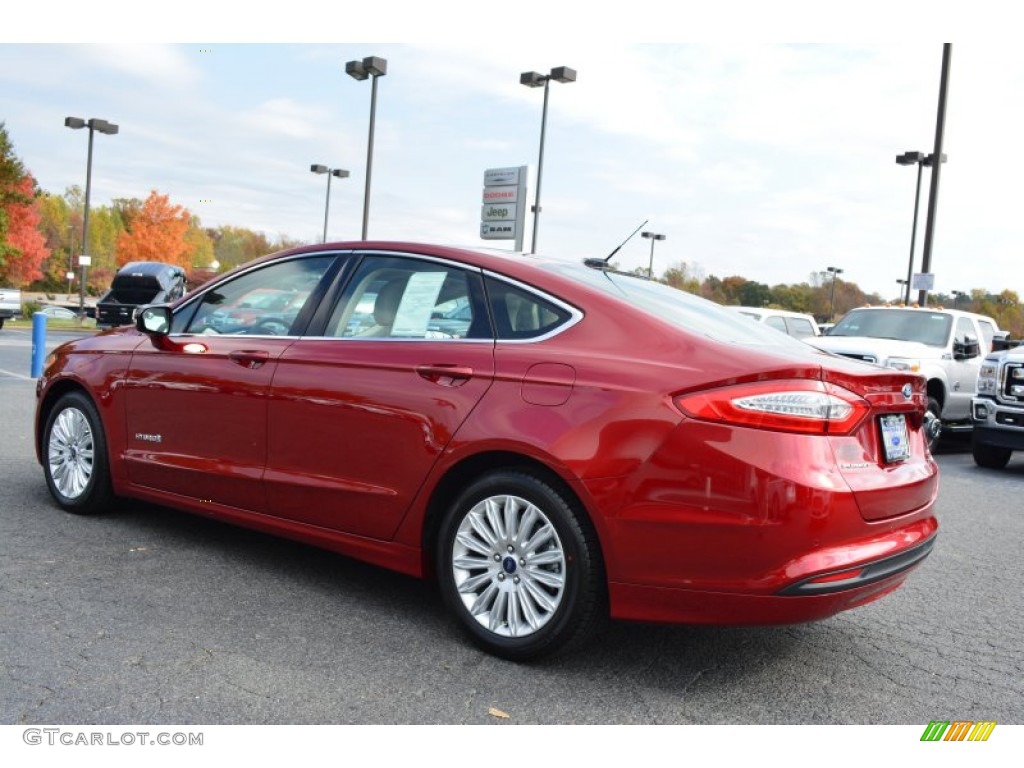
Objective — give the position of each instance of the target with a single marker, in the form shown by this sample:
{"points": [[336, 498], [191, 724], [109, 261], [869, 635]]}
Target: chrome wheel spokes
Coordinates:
{"points": [[509, 566], [70, 453]]}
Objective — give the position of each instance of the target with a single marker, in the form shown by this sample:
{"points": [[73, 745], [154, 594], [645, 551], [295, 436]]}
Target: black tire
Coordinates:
{"points": [[533, 568], [990, 456], [75, 460], [934, 412], [1, 323]]}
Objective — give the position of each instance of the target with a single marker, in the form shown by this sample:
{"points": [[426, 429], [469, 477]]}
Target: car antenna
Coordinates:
{"points": [[597, 263]]}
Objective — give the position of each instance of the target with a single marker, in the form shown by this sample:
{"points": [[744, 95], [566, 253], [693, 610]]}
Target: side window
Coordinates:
{"points": [[800, 327], [776, 322], [263, 302], [964, 330], [520, 314], [988, 332], [394, 298]]}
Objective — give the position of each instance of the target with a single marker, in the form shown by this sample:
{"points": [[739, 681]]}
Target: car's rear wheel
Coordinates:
{"points": [[990, 456], [520, 567], [75, 456]]}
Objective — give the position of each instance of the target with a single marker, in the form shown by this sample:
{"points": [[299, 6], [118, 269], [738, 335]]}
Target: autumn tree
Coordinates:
{"points": [[200, 245], [156, 232], [22, 247], [27, 247], [236, 245]]}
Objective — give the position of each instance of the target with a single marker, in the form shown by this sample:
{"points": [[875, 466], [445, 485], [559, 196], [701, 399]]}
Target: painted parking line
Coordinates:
{"points": [[15, 375]]}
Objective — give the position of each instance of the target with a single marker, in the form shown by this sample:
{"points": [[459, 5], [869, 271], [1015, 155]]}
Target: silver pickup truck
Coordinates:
{"points": [[998, 408], [945, 346], [10, 304]]}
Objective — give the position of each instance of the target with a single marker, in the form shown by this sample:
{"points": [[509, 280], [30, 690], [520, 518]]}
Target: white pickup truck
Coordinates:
{"points": [[10, 304], [945, 346]]}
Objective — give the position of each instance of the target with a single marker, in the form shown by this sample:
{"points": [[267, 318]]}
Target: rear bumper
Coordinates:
{"points": [[808, 599], [115, 315], [846, 579], [642, 603]]}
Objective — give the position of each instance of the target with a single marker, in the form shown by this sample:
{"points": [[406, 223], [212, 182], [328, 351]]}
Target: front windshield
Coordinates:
{"points": [[931, 328], [683, 310]]}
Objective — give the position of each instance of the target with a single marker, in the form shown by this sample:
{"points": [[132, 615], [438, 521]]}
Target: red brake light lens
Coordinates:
{"points": [[804, 406]]}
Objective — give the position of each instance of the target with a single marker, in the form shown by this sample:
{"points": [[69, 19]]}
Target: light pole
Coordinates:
{"points": [[70, 275], [535, 80], [337, 173], [902, 283], [832, 303], [652, 237], [920, 160], [956, 297], [94, 124], [373, 67]]}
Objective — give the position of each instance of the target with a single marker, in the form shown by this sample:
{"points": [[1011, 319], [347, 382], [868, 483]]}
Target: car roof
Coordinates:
{"points": [[771, 311]]}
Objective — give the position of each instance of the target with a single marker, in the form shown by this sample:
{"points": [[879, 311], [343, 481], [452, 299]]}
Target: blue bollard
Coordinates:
{"points": [[38, 343]]}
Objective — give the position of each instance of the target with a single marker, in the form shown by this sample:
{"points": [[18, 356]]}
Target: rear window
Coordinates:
{"points": [[678, 308], [131, 289]]}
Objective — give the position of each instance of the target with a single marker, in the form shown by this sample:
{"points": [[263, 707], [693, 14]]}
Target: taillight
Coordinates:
{"points": [[809, 407]]}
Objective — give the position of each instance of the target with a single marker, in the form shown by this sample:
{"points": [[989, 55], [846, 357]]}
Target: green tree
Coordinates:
{"points": [[679, 276]]}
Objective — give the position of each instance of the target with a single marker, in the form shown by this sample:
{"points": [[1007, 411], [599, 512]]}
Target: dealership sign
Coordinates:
{"points": [[503, 213]]}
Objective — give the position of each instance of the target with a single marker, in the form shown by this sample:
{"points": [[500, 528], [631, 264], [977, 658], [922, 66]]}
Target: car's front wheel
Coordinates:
{"points": [[520, 567], [933, 424], [75, 456], [990, 456]]}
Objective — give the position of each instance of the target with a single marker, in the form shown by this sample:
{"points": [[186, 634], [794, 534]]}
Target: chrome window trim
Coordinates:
{"points": [[199, 296], [575, 315]]}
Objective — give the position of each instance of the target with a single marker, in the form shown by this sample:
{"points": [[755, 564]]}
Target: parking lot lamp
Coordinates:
{"points": [[372, 67], [536, 80], [337, 173], [832, 304], [93, 124], [921, 161], [902, 283], [652, 237]]}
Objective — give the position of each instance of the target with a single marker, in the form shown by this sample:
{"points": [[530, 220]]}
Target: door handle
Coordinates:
{"points": [[446, 375], [249, 358]]}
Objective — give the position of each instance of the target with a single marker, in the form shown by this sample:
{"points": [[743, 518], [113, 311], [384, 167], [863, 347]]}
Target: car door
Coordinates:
{"points": [[963, 370], [362, 409], [196, 401]]}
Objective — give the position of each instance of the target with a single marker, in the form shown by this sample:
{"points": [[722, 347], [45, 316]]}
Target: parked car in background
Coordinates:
{"points": [[136, 284], [10, 304], [261, 311], [796, 324], [588, 445], [54, 312], [945, 346]]}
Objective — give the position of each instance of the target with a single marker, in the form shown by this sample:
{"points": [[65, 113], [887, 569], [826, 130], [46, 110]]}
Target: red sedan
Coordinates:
{"points": [[583, 444]]}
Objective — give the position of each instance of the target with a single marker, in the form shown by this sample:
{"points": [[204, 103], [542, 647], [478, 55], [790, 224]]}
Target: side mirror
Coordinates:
{"points": [[966, 349], [155, 321]]}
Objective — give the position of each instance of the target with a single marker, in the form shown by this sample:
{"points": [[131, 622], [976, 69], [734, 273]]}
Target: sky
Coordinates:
{"points": [[754, 149]]}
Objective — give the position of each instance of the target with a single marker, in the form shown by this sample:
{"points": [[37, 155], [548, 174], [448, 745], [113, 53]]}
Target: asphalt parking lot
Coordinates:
{"points": [[146, 615]]}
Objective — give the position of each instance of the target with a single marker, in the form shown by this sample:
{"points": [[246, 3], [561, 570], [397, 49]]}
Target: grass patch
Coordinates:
{"points": [[89, 324]]}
